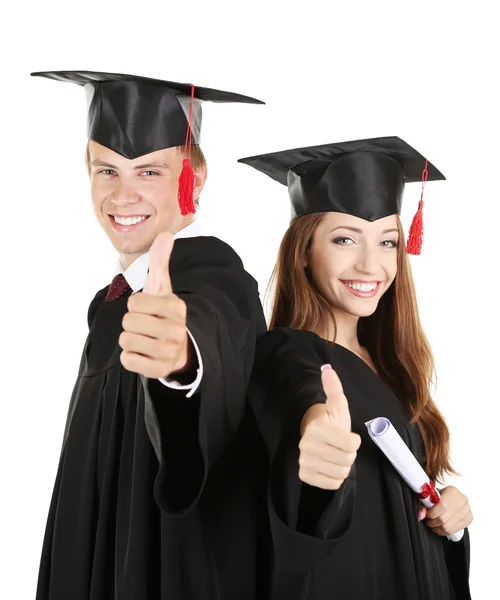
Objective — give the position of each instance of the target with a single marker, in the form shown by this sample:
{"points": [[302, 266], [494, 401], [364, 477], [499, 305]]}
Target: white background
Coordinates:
{"points": [[328, 71]]}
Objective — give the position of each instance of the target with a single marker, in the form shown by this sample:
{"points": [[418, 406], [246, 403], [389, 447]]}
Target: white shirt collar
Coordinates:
{"points": [[191, 230], [138, 271]]}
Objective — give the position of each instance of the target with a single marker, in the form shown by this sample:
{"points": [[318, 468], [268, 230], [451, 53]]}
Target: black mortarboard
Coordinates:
{"points": [[364, 178], [135, 115]]}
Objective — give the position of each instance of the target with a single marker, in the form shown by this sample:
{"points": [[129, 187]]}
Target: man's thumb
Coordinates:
{"points": [[158, 280]]}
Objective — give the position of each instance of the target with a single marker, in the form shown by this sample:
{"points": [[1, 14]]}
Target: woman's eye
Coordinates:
{"points": [[390, 244], [343, 241]]}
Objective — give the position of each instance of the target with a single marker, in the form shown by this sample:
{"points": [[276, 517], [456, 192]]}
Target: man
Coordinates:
{"points": [[159, 492]]}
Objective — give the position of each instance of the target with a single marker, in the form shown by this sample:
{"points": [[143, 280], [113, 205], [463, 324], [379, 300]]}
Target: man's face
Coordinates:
{"points": [[135, 200]]}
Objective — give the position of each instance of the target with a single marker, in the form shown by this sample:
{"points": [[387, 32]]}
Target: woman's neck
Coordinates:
{"points": [[347, 336], [346, 331]]}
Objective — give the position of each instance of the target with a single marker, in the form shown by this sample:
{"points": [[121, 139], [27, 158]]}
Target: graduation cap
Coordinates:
{"points": [[134, 115], [363, 178]]}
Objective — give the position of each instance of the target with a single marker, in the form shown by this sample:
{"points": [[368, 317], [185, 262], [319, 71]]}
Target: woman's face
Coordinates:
{"points": [[353, 262]]}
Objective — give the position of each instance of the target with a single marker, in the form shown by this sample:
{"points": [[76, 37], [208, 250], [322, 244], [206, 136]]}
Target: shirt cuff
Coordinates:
{"points": [[192, 387]]}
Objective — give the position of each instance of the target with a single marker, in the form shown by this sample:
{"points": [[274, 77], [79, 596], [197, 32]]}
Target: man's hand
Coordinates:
{"points": [[154, 340]]}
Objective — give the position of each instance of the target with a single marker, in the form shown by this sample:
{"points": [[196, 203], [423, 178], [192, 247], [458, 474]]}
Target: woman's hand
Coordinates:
{"points": [[452, 514], [327, 446]]}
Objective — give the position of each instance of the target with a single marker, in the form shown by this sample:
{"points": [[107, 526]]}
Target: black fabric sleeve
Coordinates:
{"points": [[457, 555], [224, 316], [307, 523]]}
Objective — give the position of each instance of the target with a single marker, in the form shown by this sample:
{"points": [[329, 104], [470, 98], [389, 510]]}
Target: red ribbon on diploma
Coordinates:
{"points": [[429, 491]]}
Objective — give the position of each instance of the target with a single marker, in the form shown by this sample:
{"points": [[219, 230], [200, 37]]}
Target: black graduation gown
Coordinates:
{"points": [[159, 496], [362, 541]]}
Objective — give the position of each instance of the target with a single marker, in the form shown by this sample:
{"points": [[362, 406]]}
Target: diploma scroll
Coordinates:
{"points": [[392, 445]]}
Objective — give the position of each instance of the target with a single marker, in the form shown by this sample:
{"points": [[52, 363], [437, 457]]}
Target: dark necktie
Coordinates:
{"points": [[118, 288]]}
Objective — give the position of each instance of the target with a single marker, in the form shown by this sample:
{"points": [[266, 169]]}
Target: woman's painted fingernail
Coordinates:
{"points": [[325, 367], [420, 514]]}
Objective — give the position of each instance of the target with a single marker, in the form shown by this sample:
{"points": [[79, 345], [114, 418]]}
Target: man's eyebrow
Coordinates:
{"points": [[101, 163], [157, 164]]}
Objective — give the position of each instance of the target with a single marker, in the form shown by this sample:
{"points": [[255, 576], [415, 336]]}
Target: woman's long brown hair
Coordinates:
{"points": [[393, 335]]}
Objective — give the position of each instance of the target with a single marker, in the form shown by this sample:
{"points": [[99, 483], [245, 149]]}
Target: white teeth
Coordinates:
{"points": [[363, 287], [129, 220]]}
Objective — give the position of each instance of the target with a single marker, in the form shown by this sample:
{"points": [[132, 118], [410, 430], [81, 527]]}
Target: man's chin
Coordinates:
{"points": [[131, 249]]}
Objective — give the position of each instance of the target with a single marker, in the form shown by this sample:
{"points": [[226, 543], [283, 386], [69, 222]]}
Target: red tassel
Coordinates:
{"points": [[416, 234], [186, 179], [415, 237], [186, 188]]}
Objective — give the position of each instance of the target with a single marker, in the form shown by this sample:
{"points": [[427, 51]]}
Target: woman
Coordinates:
{"points": [[345, 525]]}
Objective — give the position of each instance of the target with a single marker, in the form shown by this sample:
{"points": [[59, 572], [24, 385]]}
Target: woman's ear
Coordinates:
{"points": [[305, 258]]}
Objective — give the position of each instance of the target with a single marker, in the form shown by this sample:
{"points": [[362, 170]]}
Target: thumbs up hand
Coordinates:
{"points": [[327, 447], [154, 340], [158, 281]]}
